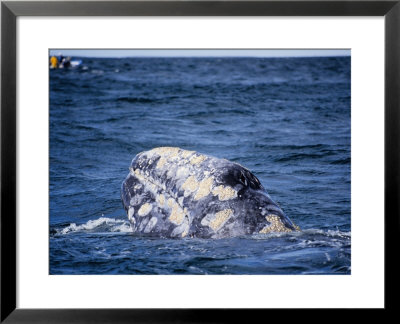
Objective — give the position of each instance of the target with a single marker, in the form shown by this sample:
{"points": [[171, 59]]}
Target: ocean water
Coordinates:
{"points": [[285, 119]]}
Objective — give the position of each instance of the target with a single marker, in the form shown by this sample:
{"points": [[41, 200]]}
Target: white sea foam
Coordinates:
{"points": [[308, 233], [102, 224]]}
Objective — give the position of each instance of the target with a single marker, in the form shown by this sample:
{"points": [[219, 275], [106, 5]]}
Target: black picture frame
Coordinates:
{"points": [[10, 10]]}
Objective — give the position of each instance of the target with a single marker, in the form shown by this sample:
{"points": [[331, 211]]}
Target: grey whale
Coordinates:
{"points": [[171, 192]]}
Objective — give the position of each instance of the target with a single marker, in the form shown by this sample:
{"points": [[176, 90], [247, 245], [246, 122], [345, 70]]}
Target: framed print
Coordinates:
{"points": [[178, 155]]}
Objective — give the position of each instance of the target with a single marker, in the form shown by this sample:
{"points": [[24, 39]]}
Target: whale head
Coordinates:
{"points": [[177, 193], [260, 213]]}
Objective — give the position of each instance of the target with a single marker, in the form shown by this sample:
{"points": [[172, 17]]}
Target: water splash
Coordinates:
{"points": [[100, 225]]}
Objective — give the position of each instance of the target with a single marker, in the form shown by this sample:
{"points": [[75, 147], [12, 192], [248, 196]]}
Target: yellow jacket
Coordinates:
{"points": [[54, 62]]}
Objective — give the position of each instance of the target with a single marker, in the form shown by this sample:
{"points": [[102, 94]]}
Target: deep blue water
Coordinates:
{"points": [[285, 119]]}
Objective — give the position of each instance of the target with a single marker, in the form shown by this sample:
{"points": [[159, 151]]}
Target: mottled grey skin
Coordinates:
{"points": [[171, 192]]}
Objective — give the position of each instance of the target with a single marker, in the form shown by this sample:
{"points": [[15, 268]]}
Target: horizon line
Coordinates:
{"points": [[198, 53]]}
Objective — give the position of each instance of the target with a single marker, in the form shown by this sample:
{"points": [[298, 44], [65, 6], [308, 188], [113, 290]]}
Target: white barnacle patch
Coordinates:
{"points": [[139, 176], [224, 193], [171, 202], [176, 215], [133, 223], [168, 153], [185, 154], [276, 225], [161, 162], [165, 150], [144, 209], [182, 172], [218, 220], [131, 211], [204, 188], [143, 224], [161, 199], [136, 200], [181, 230], [171, 173], [190, 185], [207, 219], [197, 159], [186, 223], [173, 153], [150, 225]]}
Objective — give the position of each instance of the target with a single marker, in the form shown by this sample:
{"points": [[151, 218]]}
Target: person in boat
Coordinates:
{"points": [[64, 62], [53, 62], [67, 62], [60, 57]]}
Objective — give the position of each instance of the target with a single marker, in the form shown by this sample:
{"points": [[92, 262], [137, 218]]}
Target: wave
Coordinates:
{"points": [[100, 225], [307, 234]]}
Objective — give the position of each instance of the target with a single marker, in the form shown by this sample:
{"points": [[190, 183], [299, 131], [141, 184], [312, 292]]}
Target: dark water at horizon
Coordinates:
{"points": [[285, 119]]}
